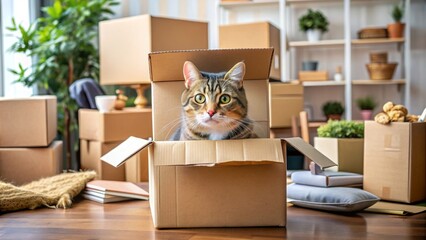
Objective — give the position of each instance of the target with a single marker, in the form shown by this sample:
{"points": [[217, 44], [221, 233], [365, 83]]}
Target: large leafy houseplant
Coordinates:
{"points": [[63, 45]]}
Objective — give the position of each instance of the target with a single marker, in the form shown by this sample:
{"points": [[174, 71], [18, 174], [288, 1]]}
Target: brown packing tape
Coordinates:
{"points": [[392, 142]]}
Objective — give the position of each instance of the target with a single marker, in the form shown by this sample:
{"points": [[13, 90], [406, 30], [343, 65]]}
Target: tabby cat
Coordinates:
{"points": [[214, 105]]}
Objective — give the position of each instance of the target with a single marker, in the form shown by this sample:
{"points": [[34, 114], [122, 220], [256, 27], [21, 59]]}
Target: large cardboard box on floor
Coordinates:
{"points": [[90, 154], [23, 165], [125, 43], [285, 101], [395, 161], [27, 122], [253, 35], [225, 183], [348, 153], [100, 132], [115, 125]]}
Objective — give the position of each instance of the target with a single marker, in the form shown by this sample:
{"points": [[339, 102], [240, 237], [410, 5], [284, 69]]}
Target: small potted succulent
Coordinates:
{"points": [[333, 110], [343, 143], [314, 23], [366, 105], [396, 29]]}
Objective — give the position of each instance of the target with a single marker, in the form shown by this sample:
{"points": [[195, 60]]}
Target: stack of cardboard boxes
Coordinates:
{"points": [[28, 151], [100, 132]]}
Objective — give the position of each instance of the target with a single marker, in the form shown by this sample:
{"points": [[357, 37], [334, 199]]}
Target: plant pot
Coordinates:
{"points": [[396, 30], [314, 35], [309, 65], [366, 114], [337, 117]]}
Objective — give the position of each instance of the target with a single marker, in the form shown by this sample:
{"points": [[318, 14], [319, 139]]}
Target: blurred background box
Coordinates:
{"points": [[27, 122], [23, 165], [253, 35]]}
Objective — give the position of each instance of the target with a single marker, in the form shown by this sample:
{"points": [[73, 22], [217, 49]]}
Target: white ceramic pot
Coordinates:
{"points": [[314, 35], [105, 103]]}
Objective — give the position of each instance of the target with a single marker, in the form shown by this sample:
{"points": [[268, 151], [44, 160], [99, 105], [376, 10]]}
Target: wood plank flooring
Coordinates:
{"points": [[132, 220]]}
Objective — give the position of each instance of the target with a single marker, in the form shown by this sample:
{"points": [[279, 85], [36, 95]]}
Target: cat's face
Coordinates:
{"points": [[214, 103]]}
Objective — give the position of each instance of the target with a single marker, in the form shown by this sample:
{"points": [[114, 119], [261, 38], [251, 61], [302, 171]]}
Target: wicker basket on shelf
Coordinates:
{"points": [[379, 57], [381, 71], [372, 33]]}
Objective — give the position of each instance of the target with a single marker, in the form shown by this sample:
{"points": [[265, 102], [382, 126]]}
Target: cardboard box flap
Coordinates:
{"points": [[209, 153], [125, 150], [257, 60], [310, 152]]}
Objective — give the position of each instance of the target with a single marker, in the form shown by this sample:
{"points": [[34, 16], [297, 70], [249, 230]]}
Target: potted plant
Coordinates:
{"points": [[314, 23], [367, 106], [333, 110], [343, 143], [63, 44], [396, 29]]}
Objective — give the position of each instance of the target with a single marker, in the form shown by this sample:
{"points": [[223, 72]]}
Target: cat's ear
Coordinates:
{"points": [[190, 73], [236, 73]]}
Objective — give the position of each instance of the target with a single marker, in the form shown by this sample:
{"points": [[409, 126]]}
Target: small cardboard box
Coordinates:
{"points": [[227, 183], [286, 100], [116, 125], [253, 35], [23, 165], [125, 43], [167, 86], [348, 153], [395, 161], [90, 154], [313, 76], [27, 122]]}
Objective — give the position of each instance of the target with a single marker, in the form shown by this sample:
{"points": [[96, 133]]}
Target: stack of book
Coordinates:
{"points": [[104, 191]]}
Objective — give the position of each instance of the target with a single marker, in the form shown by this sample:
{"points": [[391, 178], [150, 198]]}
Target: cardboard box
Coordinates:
{"points": [[347, 153], [313, 76], [395, 161], [137, 167], [125, 43], [253, 35], [90, 154], [286, 100], [28, 122], [116, 125], [23, 165], [227, 183], [167, 86]]}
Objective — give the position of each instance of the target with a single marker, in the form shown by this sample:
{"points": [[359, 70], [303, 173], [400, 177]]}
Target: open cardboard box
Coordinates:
{"points": [[227, 183]]}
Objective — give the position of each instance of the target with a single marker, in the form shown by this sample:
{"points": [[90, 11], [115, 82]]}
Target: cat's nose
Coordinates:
{"points": [[211, 112]]}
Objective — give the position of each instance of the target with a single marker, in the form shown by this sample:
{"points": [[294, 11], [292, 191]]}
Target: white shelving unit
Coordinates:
{"points": [[348, 44]]}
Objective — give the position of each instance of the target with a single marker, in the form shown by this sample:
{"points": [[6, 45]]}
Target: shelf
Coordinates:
{"points": [[322, 83], [342, 42], [377, 41], [354, 82], [319, 43], [264, 2], [379, 82], [232, 4]]}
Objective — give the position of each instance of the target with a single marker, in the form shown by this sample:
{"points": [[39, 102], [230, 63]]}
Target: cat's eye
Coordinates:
{"points": [[200, 98], [225, 98]]}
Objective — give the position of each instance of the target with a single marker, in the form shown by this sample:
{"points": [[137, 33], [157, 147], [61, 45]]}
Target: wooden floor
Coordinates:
{"points": [[132, 220]]}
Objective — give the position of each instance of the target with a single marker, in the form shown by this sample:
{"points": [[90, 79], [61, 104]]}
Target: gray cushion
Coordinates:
{"points": [[338, 199]]}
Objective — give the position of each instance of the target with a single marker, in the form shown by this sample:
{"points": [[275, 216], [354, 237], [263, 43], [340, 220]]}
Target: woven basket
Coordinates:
{"points": [[373, 33], [380, 57], [381, 71]]}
